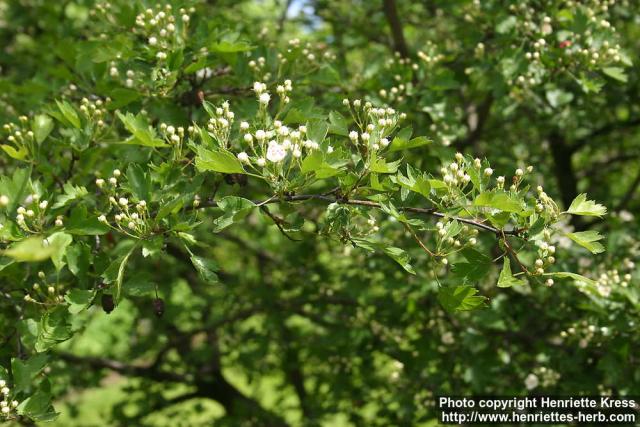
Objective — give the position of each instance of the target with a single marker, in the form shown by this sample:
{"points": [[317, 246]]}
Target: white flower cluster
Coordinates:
{"points": [[6, 404], [541, 376], [274, 145], [159, 26]]}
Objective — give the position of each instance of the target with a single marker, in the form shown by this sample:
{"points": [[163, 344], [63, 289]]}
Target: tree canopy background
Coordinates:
{"points": [[314, 212]]}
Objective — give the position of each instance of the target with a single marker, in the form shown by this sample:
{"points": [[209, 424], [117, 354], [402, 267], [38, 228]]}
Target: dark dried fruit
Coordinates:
{"points": [[236, 178], [158, 306], [107, 303]]}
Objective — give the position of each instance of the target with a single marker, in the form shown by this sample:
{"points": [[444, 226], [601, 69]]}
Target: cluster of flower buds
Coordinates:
{"points": [[160, 27], [545, 255], [219, 125], [19, 135], [7, 405], [31, 215], [131, 218], [94, 111], [584, 333], [452, 236], [545, 204], [375, 124], [45, 293]]}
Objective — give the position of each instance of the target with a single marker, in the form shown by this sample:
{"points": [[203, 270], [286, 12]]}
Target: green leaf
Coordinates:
{"points": [[380, 165], [115, 272], [37, 407], [54, 328], [152, 246], [235, 209], [206, 268], [20, 154], [42, 125], [71, 193], [398, 255], [69, 113], [142, 133], [475, 269], [460, 298], [83, 224], [139, 182], [588, 240], [499, 200], [59, 241], [616, 73], [24, 371], [338, 124], [506, 279], [398, 144], [217, 161], [29, 250], [584, 207], [79, 299], [576, 277], [15, 188]]}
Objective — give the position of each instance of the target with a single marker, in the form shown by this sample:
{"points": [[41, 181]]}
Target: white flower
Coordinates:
{"points": [[123, 201], [264, 98], [329, 149], [113, 181], [43, 204], [102, 218], [365, 137], [131, 224], [531, 381], [261, 162], [58, 222], [447, 338], [259, 87], [488, 171], [185, 18], [296, 152], [4, 200], [244, 125], [161, 55], [21, 210], [384, 142], [260, 135], [142, 203], [116, 172], [243, 157], [247, 137], [500, 180], [519, 172], [276, 152], [353, 135]]}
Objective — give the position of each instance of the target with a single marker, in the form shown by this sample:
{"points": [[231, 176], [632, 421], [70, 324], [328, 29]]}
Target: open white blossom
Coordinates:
{"points": [[276, 152]]}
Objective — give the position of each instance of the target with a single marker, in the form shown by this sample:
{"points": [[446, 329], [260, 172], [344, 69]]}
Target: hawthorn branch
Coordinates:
{"points": [[367, 203]]}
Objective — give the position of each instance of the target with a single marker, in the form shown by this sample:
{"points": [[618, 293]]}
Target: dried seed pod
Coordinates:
{"points": [[107, 303], [158, 306]]}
